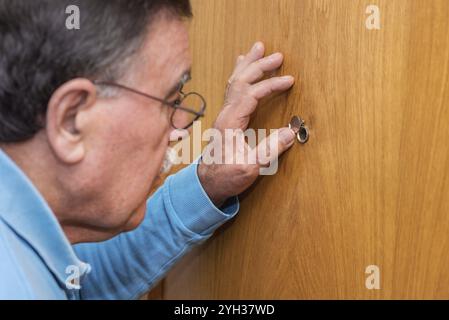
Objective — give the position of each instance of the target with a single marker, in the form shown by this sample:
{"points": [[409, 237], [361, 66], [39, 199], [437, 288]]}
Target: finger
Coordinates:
{"points": [[256, 53], [239, 60], [270, 148], [257, 69], [237, 67], [267, 87]]}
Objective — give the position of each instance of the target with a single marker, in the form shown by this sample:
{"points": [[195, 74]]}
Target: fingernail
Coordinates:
{"points": [[286, 136], [276, 55], [288, 78], [257, 46]]}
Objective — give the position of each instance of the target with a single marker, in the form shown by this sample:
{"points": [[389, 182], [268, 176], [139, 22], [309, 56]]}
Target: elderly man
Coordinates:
{"points": [[85, 122]]}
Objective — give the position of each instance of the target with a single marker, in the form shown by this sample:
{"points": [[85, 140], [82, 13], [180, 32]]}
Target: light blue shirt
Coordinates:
{"points": [[38, 262]]}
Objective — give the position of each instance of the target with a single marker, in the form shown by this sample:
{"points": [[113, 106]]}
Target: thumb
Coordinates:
{"points": [[273, 146]]}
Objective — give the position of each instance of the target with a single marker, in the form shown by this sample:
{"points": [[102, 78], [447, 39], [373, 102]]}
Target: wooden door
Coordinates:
{"points": [[371, 187]]}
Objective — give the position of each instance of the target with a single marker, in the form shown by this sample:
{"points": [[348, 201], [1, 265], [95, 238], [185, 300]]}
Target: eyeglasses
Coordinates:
{"points": [[188, 108]]}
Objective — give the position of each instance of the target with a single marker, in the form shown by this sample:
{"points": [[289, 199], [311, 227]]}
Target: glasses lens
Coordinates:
{"points": [[182, 118]]}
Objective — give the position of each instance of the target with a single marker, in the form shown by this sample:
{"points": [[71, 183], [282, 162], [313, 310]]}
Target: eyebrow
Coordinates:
{"points": [[186, 76]]}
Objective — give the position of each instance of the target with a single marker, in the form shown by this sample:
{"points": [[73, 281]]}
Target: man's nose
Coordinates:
{"points": [[179, 134]]}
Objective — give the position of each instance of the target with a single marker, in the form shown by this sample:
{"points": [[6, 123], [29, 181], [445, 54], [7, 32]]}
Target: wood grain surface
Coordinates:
{"points": [[371, 187]]}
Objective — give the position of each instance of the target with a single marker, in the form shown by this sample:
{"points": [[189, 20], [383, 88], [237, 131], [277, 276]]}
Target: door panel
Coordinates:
{"points": [[371, 186]]}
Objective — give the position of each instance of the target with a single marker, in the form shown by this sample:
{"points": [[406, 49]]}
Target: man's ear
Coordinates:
{"points": [[63, 125]]}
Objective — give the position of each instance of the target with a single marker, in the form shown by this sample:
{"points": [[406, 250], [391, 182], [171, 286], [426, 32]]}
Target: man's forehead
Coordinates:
{"points": [[168, 41], [167, 53]]}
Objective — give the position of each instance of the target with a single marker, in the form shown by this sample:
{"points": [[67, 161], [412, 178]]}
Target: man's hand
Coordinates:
{"points": [[244, 90]]}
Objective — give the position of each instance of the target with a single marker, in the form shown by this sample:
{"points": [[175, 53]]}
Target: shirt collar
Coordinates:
{"points": [[24, 209]]}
